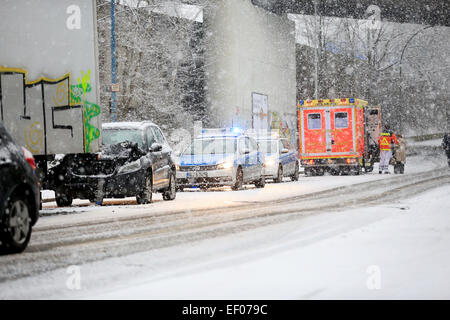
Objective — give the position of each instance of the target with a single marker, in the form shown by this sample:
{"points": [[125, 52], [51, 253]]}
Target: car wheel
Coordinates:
{"points": [[63, 200], [261, 183], [239, 180], [279, 177], [16, 231], [146, 195], [294, 177], [171, 192]]}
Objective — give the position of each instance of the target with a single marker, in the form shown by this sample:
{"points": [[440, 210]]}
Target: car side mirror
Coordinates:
{"points": [[155, 147], [284, 150]]}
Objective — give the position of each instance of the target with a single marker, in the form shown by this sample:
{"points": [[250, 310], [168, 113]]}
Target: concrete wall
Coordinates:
{"points": [[249, 50]]}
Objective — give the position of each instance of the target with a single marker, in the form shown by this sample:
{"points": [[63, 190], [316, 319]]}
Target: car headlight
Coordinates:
{"points": [[269, 162], [225, 165], [130, 167]]}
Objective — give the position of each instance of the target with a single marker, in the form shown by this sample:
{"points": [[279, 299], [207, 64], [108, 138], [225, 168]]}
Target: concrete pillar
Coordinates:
{"points": [[248, 51]]}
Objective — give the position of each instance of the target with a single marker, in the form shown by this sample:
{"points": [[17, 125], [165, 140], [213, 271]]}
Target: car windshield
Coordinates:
{"points": [[211, 146], [268, 146], [113, 136]]}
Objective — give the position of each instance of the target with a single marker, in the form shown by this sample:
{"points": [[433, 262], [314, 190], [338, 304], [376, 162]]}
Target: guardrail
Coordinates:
{"points": [[425, 137]]}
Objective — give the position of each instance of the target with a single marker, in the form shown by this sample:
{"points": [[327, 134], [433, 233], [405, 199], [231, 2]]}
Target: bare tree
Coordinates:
{"points": [[404, 68], [159, 63]]}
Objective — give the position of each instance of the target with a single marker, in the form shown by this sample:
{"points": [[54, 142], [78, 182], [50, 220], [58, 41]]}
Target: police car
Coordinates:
{"points": [[221, 157], [280, 158]]}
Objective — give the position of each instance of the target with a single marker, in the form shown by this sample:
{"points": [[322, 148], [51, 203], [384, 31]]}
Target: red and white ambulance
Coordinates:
{"points": [[335, 135]]}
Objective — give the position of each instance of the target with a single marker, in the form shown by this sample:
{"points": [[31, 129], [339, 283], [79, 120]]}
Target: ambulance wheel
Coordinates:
{"points": [[239, 180], [279, 177], [355, 171], [319, 171], [308, 172], [334, 172]]}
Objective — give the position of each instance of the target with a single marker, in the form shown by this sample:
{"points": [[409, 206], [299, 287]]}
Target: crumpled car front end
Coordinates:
{"points": [[116, 172]]}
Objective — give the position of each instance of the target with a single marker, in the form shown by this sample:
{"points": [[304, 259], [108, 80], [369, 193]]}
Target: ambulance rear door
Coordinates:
{"points": [[313, 132], [341, 120]]}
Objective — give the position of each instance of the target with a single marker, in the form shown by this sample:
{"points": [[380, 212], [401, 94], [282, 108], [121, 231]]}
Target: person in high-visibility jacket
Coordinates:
{"points": [[385, 141]]}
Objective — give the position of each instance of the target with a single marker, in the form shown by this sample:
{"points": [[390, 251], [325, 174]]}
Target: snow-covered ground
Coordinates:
{"points": [[404, 253], [397, 250], [400, 249]]}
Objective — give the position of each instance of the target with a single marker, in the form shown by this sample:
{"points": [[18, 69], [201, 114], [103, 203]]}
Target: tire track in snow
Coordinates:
{"points": [[54, 247]]}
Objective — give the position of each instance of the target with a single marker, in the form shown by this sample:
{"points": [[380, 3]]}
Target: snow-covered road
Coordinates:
{"points": [[392, 251], [236, 240]]}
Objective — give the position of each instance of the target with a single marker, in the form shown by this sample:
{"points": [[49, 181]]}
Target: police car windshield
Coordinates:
{"points": [[268, 146], [212, 146], [113, 136]]}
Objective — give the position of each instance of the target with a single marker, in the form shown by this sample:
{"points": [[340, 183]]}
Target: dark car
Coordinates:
{"points": [[19, 194], [135, 161]]}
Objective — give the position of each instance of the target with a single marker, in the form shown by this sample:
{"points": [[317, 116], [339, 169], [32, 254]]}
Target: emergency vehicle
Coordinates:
{"points": [[281, 158], [221, 157], [338, 135]]}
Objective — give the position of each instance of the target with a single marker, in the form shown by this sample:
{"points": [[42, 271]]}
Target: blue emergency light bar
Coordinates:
{"points": [[235, 131]]}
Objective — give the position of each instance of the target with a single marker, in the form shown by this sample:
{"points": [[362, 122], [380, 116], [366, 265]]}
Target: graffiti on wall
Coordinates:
{"points": [[48, 116], [90, 110], [285, 126]]}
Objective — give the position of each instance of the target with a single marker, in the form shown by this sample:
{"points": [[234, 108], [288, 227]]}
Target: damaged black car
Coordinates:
{"points": [[136, 160]]}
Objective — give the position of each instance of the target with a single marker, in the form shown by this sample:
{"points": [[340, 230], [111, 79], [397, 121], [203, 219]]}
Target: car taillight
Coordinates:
{"points": [[29, 157]]}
